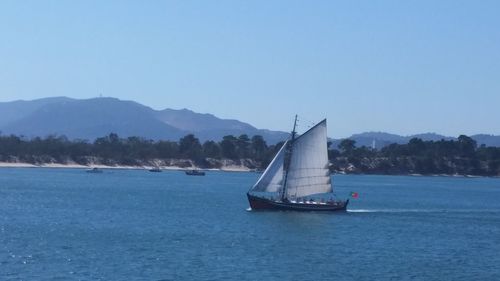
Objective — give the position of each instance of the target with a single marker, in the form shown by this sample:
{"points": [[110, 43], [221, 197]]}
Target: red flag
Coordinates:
{"points": [[354, 194]]}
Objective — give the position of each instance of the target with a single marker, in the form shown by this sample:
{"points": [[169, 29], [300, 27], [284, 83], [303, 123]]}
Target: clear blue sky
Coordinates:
{"points": [[397, 66]]}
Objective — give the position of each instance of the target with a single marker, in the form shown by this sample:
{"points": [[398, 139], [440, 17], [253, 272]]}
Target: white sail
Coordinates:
{"points": [[308, 172], [272, 178]]}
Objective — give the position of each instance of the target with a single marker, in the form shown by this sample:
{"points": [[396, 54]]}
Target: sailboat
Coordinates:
{"points": [[298, 177]]}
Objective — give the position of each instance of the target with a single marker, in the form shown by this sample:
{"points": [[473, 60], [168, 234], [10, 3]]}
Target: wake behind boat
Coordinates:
{"points": [[298, 177]]}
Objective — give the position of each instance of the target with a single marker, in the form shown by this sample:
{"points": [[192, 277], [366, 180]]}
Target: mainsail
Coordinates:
{"points": [[272, 178], [308, 171]]}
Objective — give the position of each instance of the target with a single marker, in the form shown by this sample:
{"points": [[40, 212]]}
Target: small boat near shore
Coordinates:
{"points": [[155, 170], [194, 173], [94, 170], [298, 177]]}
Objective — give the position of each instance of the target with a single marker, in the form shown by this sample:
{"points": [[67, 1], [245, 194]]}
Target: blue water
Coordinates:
{"points": [[65, 224]]}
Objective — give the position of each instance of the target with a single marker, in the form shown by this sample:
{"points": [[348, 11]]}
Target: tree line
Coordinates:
{"points": [[133, 150], [461, 156]]}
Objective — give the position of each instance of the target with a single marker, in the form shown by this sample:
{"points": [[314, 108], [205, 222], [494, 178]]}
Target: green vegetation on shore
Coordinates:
{"points": [[417, 157], [447, 157], [134, 151]]}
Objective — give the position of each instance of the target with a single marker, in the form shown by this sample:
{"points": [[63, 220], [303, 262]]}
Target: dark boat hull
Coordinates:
{"points": [[194, 173], [259, 203], [93, 171]]}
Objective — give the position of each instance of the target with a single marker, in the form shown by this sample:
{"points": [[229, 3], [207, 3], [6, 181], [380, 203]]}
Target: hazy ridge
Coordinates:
{"points": [[97, 117]]}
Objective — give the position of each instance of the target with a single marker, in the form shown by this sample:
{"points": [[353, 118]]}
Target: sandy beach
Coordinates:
{"points": [[228, 168]]}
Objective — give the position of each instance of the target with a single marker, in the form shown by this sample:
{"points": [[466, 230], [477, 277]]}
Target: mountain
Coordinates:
{"points": [[15, 110], [488, 140], [196, 122], [208, 127], [97, 117], [92, 118]]}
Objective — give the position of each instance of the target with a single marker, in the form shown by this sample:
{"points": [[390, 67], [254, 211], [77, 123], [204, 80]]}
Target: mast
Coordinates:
{"points": [[288, 156]]}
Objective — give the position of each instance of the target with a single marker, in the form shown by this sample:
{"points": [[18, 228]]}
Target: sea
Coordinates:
{"points": [[66, 224]]}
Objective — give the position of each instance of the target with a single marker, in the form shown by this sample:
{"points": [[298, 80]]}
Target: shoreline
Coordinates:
{"points": [[231, 168]]}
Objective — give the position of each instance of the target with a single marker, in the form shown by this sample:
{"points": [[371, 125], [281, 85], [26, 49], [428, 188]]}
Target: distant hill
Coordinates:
{"points": [[97, 117], [208, 127], [92, 118], [488, 140], [15, 110]]}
